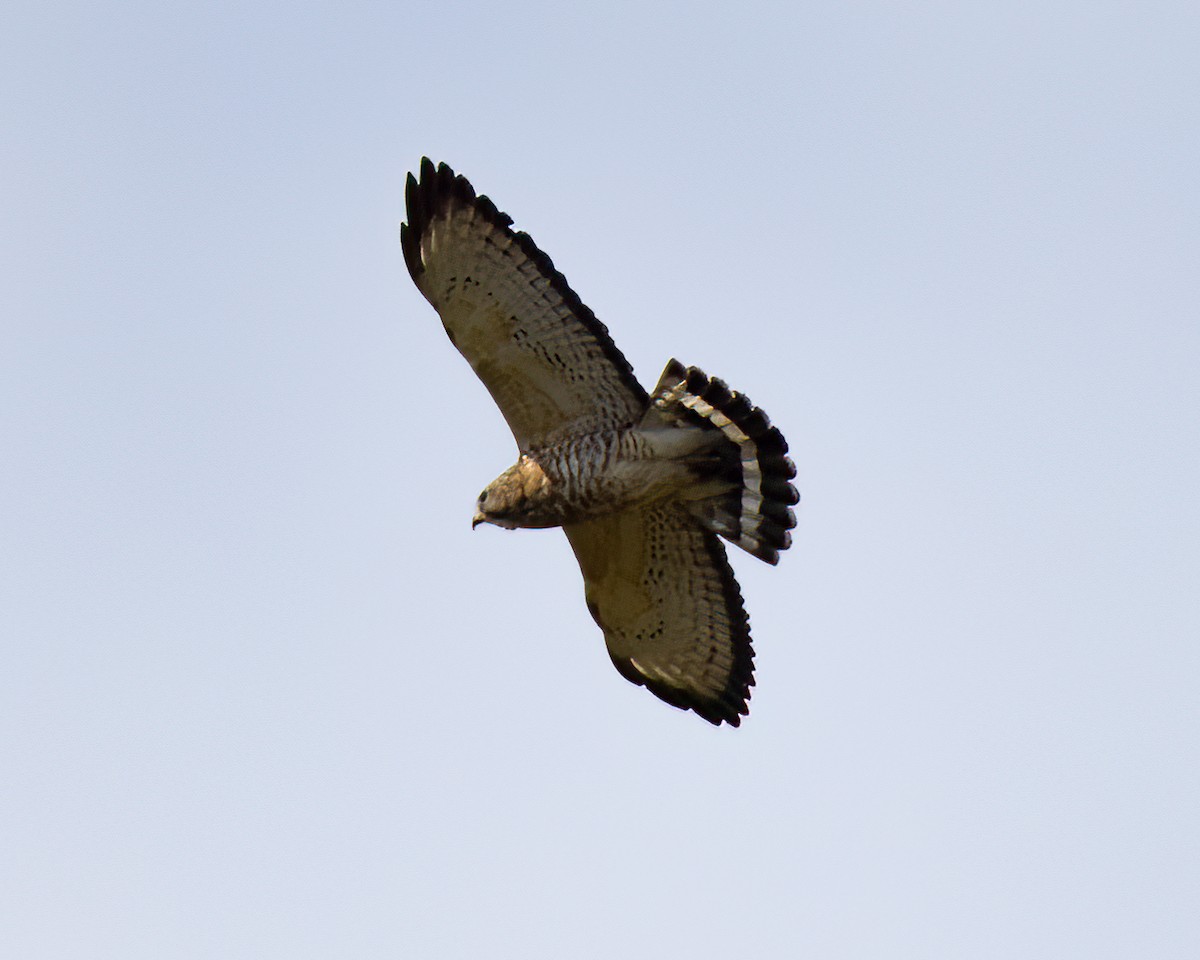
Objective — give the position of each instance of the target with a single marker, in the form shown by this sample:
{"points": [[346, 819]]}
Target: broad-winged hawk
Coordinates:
{"points": [[642, 485]]}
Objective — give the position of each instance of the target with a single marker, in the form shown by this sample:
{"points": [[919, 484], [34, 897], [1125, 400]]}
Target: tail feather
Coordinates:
{"points": [[745, 458]]}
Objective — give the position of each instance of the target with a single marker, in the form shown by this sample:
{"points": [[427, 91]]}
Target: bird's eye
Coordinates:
{"points": [[482, 497]]}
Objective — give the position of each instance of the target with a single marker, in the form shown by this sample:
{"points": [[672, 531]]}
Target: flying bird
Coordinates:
{"points": [[644, 485]]}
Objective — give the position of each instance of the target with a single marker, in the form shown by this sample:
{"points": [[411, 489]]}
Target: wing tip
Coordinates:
{"points": [[729, 707], [426, 195]]}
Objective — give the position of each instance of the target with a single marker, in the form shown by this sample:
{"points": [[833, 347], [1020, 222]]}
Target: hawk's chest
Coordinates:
{"points": [[600, 473]]}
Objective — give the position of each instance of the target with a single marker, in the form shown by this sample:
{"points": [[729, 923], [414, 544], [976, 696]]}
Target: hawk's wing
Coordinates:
{"points": [[546, 360], [659, 586]]}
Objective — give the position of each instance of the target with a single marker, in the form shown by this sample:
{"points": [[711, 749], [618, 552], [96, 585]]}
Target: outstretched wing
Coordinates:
{"points": [[659, 586], [549, 364]]}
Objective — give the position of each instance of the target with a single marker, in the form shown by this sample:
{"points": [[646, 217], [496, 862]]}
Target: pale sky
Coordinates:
{"points": [[264, 694]]}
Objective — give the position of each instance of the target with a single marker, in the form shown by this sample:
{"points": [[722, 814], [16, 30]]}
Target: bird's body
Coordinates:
{"points": [[642, 484], [575, 479]]}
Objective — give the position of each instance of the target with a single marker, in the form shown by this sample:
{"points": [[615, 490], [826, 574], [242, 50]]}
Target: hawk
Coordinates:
{"points": [[643, 485]]}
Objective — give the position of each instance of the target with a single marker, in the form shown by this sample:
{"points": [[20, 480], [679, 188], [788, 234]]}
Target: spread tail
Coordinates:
{"points": [[741, 456]]}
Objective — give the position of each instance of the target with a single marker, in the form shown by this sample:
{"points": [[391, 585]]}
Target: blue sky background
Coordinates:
{"points": [[264, 693]]}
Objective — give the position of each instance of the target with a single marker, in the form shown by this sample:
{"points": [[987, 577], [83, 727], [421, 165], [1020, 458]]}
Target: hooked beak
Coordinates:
{"points": [[478, 519]]}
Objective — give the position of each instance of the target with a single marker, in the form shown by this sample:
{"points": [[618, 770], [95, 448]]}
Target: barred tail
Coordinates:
{"points": [[748, 459]]}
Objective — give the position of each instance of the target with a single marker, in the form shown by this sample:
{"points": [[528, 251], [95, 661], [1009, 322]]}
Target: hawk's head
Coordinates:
{"points": [[522, 496]]}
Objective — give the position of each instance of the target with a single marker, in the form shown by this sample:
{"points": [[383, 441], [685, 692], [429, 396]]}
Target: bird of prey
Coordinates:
{"points": [[643, 485]]}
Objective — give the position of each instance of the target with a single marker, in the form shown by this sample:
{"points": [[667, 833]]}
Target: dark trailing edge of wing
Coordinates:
{"points": [[733, 703], [438, 189]]}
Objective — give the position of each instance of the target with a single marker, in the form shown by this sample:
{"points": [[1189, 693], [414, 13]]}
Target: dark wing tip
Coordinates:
{"points": [[437, 189], [728, 708]]}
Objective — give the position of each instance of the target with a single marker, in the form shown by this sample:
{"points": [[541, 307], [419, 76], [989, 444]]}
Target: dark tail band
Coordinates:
{"points": [[755, 512]]}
